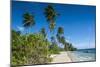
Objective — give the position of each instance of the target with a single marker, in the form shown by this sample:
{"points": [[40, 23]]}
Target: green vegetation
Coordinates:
{"points": [[35, 48], [30, 50]]}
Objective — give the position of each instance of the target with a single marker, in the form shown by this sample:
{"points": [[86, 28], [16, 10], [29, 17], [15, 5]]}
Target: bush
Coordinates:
{"points": [[29, 49], [54, 49]]}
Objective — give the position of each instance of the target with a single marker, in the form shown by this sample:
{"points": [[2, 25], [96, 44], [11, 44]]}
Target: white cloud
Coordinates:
{"points": [[20, 28]]}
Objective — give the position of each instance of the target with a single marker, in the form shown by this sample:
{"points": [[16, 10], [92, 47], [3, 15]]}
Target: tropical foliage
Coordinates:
{"points": [[36, 48], [31, 50]]}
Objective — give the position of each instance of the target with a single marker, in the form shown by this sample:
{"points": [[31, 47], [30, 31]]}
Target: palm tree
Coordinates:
{"points": [[66, 46], [43, 32], [28, 20], [60, 31], [61, 38], [52, 26], [53, 39], [50, 15], [59, 34]]}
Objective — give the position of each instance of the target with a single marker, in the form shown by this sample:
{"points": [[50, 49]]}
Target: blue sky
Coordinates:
{"points": [[78, 21]]}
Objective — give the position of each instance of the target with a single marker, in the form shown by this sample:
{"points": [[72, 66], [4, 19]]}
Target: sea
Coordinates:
{"points": [[83, 55]]}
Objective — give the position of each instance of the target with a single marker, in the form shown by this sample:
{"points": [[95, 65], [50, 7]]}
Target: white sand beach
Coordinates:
{"points": [[62, 57]]}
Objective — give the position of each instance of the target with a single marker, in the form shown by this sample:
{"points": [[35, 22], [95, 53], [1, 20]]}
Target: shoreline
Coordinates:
{"points": [[62, 57]]}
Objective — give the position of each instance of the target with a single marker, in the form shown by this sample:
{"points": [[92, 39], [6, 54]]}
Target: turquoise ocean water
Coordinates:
{"points": [[83, 55]]}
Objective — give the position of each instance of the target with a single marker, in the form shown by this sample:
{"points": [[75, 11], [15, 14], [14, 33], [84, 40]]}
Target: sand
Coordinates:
{"points": [[62, 57]]}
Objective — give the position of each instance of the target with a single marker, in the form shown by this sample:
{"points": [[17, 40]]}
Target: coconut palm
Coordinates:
{"points": [[66, 46], [52, 39], [59, 34], [63, 40], [60, 31], [43, 31], [50, 15], [28, 20], [52, 26], [60, 37]]}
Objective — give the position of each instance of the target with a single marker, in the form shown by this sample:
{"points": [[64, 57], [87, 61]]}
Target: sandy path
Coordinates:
{"points": [[62, 57]]}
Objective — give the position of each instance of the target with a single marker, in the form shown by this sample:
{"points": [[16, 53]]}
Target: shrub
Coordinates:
{"points": [[29, 49], [54, 49]]}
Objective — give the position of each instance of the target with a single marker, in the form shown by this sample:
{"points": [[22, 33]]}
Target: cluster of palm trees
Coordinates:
{"points": [[38, 44], [51, 16]]}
